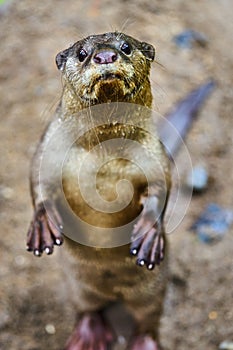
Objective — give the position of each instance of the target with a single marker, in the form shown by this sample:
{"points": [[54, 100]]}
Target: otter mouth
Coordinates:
{"points": [[109, 76], [108, 86], [106, 77]]}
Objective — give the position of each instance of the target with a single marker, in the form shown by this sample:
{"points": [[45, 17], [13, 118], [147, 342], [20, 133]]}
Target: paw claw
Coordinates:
{"points": [[133, 252], [150, 266], [58, 241], [141, 262], [37, 252], [48, 250]]}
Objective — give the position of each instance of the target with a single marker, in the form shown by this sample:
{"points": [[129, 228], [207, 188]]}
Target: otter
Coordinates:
{"points": [[100, 70]]}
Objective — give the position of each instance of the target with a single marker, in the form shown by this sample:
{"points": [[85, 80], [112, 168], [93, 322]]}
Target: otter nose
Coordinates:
{"points": [[104, 57]]}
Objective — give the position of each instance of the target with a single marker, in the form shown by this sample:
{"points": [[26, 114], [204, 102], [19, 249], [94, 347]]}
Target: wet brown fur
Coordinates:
{"points": [[99, 276]]}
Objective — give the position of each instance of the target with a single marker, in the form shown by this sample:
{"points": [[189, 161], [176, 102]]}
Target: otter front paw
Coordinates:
{"points": [[148, 247], [45, 229]]}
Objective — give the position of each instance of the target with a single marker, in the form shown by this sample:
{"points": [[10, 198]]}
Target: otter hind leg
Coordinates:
{"points": [[147, 309], [91, 333]]}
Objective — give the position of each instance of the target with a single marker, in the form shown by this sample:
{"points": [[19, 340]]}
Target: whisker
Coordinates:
{"points": [[124, 25]]}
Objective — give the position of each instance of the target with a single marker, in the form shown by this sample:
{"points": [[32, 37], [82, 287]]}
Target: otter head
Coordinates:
{"points": [[108, 67]]}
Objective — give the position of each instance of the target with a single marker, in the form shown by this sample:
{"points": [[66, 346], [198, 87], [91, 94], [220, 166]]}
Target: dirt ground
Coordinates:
{"points": [[34, 311]]}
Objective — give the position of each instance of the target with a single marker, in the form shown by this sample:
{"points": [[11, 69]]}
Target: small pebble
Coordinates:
{"points": [[4, 7], [213, 315], [197, 179], [226, 345], [188, 37], [6, 192], [20, 260], [50, 329], [213, 223], [5, 318]]}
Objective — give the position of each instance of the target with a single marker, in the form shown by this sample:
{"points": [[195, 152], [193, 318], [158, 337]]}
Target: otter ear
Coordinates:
{"points": [[148, 51], [61, 58]]}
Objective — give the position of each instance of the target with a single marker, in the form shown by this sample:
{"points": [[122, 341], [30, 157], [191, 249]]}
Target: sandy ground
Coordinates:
{"points": [[34, 312]]}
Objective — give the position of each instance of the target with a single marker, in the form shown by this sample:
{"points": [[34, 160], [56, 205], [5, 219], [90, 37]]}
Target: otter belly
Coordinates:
{"points": [[105, 196]]}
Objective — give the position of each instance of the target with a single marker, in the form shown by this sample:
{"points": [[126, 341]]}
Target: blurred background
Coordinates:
{"points": [[193, 40]]}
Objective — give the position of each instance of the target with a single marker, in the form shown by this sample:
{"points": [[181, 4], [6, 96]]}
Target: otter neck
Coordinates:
{"points": [[136, 115]]}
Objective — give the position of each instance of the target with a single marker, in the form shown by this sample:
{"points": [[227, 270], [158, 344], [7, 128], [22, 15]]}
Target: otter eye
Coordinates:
{"points": [[82, 54], [126, 48]]}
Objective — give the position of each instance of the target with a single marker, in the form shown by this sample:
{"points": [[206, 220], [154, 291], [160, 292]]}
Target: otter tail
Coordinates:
{"points": [[181, 117]]}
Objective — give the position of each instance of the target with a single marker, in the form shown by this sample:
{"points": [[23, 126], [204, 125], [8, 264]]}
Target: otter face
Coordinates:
{"points": [[107, 67]]}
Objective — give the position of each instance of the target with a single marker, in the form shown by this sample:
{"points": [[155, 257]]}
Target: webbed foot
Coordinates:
{"points": [[91, 333]]}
